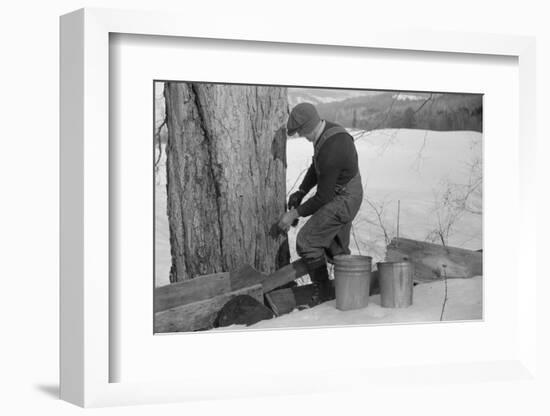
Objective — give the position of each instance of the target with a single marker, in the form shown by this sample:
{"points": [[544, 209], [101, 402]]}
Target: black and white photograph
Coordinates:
{"points": [[297, 207]]}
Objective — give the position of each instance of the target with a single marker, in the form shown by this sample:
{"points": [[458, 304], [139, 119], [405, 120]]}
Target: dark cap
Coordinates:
{"points": [[302, 117]]}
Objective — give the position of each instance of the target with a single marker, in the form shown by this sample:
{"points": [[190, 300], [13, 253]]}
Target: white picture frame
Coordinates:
{"points": [[85, 355]]}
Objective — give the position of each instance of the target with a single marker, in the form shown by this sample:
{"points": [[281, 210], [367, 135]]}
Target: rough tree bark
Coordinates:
{"points": [[226, 177]]}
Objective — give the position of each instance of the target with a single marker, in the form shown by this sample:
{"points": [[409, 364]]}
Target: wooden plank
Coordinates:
{"points": [[245, 276], [284, 275], [283, 301], [199, 315], [428, 259], [193, 290], [203, 288]]}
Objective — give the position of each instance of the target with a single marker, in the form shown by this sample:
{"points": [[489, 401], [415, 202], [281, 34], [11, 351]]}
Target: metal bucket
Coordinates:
{"points": [[396, 284], [352, 276]]}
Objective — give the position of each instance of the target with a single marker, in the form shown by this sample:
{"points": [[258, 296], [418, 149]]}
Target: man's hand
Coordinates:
{"points": [[295, 199], [287, 219]]}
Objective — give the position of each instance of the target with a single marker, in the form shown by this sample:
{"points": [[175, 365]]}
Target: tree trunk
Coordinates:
{"points": [[226, 177]]}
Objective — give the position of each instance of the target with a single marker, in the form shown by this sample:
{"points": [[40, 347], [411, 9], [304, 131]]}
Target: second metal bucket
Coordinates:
{"points": [[396, 284], [352, 276]]}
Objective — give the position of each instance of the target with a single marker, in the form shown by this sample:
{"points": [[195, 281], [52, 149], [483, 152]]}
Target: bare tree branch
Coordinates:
{"points": [[446, 291], [296, 181], [379, 210], [419, 157], [418, 161], [388, 113], [424, 103], [158, 141]]}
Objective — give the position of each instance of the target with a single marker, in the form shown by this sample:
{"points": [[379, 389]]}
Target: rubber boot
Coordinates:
{"points": [[323, 288]]}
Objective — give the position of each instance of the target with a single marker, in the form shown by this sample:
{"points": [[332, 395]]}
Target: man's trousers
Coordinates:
{"points": [[327, 233]]}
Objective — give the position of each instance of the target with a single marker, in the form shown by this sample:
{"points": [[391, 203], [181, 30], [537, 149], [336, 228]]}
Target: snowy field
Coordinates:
{"points": [[415, 167], [464, 303]]}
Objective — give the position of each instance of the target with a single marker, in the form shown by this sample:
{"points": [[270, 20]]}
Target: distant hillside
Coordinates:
{"points": [[322, 95], [441, 112]]}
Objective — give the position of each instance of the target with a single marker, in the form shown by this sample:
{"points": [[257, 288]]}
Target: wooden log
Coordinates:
{"points": [[193, 304], [194, 300], [199, 315], [193, 290], [205, 287], [242, 310], [283, 301], [284, 275], [428, 259], [245, 276]]}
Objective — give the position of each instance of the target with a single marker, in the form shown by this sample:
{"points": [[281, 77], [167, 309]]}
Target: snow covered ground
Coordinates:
{"points": [[464, 303]]}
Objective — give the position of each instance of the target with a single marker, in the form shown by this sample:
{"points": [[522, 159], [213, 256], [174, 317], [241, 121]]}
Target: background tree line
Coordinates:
{"points": [[441, 112], [428, 111]]}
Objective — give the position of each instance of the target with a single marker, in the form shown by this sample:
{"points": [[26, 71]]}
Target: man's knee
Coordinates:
{"points": [[305, 248]]}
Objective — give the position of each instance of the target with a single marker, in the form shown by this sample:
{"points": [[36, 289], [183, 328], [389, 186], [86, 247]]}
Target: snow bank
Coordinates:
{"points": [[464, 303]]}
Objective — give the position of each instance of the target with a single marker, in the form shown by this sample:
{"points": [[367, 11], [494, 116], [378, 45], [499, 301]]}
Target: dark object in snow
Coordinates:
{"points": [[285, 300], [374, 283], [242, 310]]}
